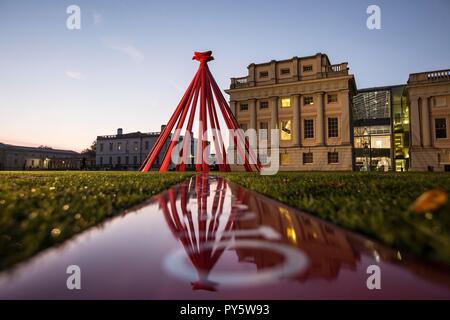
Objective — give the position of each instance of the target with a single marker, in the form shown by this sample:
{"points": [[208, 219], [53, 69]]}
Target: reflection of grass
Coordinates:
{"points": [[374, 204], [39, 209]]}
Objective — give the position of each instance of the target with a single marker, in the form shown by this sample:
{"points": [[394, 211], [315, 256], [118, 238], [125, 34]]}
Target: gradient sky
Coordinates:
{"points": [[131, 61]]}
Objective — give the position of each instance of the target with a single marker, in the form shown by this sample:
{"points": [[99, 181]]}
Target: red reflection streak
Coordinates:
{"points": [[196, 244]]}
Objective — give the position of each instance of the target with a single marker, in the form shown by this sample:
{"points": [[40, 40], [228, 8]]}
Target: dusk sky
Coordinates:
{"points": [[130, 62]]}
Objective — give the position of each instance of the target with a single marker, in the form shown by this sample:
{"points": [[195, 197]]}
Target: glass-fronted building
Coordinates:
{"points": [[381, 129]]}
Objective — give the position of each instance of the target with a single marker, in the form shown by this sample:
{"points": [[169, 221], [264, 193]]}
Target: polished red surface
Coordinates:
{"points": [[207, 239]]}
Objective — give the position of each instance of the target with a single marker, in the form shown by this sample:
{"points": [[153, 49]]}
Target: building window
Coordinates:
{"points": [[309, 128], [307, 157], [333, 157], [331, 98], [101, 147], [127, 160], [264, 105], [441, 128], [285, 71], [284, 158], [119, 146], [101, 160], [111, 146], [243, 106], [264, 130], [308, 101], [135, 160], [119, 160], [135, 146], [146, 145], [333, 130], [110, 160], [286, 102], [286, 129], [243, 126], [264, 74], [308, 68]]}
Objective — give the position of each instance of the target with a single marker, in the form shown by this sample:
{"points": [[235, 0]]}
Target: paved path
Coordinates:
{"points": [[207, 239]]}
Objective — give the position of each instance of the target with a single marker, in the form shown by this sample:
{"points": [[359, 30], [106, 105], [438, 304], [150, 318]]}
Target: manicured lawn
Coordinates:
{"points": [[375, 204], [40, 209]]}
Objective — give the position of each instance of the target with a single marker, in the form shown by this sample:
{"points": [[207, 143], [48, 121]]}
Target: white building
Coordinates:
{"points": [[127, 151]]}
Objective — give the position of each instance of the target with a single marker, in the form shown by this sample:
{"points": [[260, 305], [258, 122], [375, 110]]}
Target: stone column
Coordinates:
{"points": [[274, 112], [296, 120], [415, 122], [425, 115], [233, 107], [320, 120], [345, 120], [252, 110]]}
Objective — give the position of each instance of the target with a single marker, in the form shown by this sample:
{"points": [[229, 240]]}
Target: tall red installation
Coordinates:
{"points": [[200, 95]]}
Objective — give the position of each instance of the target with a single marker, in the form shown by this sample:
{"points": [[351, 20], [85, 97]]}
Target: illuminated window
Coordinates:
{"points": [[308, 101], [243, 106], [286, 129], [286, 103], [135, 146], [119, 146], [284, 158], [307, 157], [308, 128], [285, 71], [331, 98], [333, 127], [264, 104], [308, 68], [333, 157], [264, 74], [440, 125]]}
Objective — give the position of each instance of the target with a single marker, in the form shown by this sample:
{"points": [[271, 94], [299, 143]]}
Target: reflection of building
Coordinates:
{"points": [[309, 100], [429, 97], [31, 158], [381, 129], [327, 248]]}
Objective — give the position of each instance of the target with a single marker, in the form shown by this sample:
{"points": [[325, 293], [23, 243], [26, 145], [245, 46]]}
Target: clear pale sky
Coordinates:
{"points": [[131, 61]]}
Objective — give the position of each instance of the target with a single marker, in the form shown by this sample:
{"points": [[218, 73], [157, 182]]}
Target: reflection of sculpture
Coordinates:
{"points": [[197, 228], [195, 240], [204, 89]]}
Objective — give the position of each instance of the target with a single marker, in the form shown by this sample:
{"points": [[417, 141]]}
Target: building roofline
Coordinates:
{"points": [[381, 88], [36, 149]]}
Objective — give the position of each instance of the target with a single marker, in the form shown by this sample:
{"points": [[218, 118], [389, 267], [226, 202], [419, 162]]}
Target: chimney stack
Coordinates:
{"points": [[119, 131]]}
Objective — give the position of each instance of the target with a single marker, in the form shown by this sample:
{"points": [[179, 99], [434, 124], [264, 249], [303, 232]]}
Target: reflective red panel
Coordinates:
{"points": [[207, 239]]}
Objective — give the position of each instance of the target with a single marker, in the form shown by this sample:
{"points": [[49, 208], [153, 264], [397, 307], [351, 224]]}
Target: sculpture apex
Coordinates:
{"points": [[203, 56]]}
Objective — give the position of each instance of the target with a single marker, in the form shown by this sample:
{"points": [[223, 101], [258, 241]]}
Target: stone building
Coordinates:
{"points": [[309, 100], [127, 151], [429, 98], [40, 158]]}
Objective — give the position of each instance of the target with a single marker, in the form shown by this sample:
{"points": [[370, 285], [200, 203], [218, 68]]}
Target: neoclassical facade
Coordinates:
{"points": [[309, 100], [429, 98]]}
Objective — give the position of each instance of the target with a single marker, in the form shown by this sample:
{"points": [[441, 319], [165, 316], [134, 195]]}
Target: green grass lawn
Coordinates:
{"points": [[40, 209], [375, 204]]}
